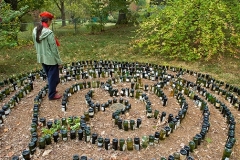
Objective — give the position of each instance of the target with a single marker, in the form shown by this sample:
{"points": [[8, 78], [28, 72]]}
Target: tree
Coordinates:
{"points": [[33, 7], [98, 13], [61, 6], [124, 13], [32, 4], [122, 7], [9, 24], [73, 7], [77, 8], [191, 29]]}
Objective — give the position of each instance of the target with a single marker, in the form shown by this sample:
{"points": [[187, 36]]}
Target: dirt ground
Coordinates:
{"points": [[15, 134]]}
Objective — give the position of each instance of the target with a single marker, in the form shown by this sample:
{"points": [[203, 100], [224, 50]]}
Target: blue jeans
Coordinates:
{"points": [[52, 73]]}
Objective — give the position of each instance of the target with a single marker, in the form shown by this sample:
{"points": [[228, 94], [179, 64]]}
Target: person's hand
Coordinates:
{"points": [[60, 66]]}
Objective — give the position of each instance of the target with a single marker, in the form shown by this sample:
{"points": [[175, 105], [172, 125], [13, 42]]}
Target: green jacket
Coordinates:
{"points": [[47, 51]]}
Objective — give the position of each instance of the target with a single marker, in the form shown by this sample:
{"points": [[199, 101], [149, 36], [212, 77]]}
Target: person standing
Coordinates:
{"points": [[47, 53]]}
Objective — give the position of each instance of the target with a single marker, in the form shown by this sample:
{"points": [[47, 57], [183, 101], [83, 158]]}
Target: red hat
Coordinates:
{"points": [[47, 14]]}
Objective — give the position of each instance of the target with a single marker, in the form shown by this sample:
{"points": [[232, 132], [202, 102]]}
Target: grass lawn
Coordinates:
{"points": [[113, 44]]}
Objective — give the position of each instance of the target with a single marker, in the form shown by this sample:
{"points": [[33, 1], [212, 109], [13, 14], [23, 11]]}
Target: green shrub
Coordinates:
{"points": [[94, 27], [191, 29], [9, 25]]}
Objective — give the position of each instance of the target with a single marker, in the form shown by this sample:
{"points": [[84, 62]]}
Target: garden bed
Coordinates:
{"points": [[15, 134]]}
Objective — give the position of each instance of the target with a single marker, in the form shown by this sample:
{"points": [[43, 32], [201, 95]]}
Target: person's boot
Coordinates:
{"points": [[56, 96]]}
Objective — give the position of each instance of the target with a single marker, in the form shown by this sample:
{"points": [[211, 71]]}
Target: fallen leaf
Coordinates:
{"points": [[8, 147], [125, 158], [103, 132], [10, 154], [46, 152], [6, 129]]}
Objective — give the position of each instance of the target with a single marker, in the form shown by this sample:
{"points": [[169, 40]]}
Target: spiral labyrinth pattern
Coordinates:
{"points": [[119, 110]]}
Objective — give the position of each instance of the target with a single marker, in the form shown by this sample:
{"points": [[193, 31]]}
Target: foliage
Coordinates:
{"points": [[125, 15], [82, 46], [157, 2], [69, 9], [27, 18], [77, 8], [9, 24], [47, 131], [55, 128], [94, 10], [209, 140], [61, 7], [32, 4], [75, 125], [72, 123], [191, 29], [93, 27], [116, 5], [98, 13], [141, 3], [122, 8]]}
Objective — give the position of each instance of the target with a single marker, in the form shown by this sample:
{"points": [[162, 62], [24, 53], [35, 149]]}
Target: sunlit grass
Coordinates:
{"points": [[112, 44]]}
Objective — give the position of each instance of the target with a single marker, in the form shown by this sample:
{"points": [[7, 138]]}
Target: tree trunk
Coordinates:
{"points": [[35, 16], [63, 15], [122, 17]]}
